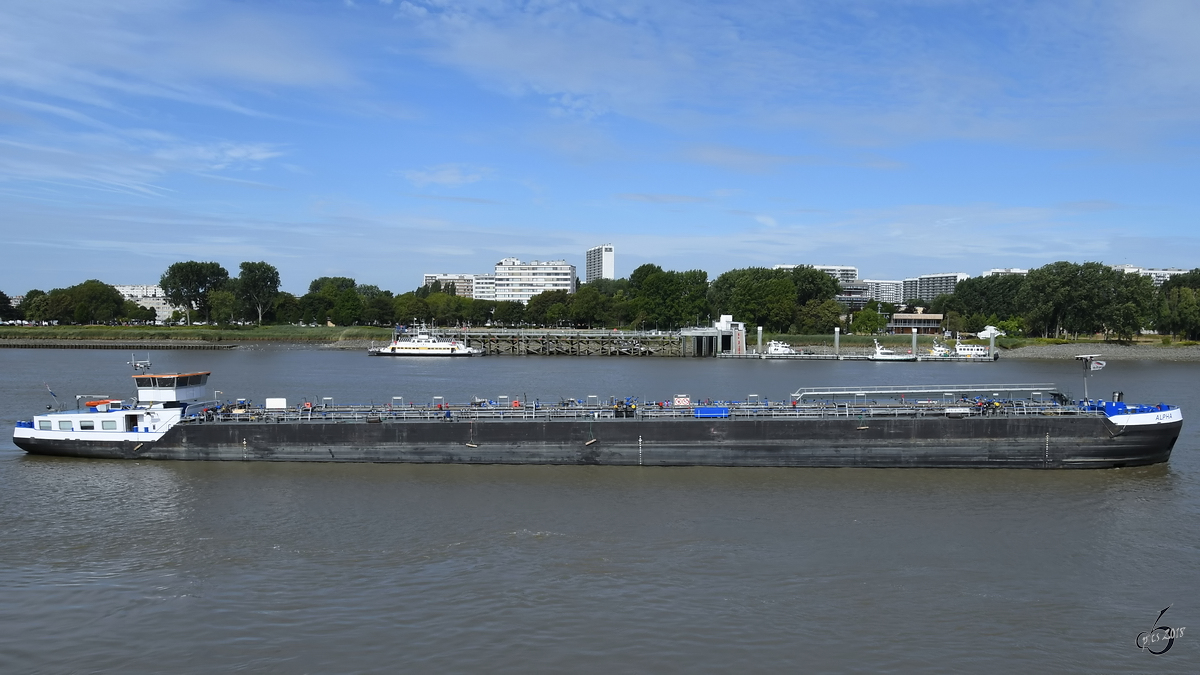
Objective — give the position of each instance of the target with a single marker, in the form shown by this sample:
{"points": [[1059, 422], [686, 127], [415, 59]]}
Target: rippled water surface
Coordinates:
{"points": [[150, 567]]}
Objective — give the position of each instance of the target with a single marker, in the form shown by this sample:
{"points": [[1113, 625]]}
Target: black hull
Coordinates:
{"points": [[997, 442]]}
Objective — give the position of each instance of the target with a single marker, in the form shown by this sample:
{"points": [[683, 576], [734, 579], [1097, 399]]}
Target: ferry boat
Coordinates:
{"points": [[423, 344], [990, 425]]}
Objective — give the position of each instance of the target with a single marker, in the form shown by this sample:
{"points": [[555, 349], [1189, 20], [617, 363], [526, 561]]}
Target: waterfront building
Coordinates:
{"points": [[883, 290], [929, 286], [842, 273], [150, 296], [520, 281], [1157, 275], [926, 324], [464, 284], [600, 263], [1004, 271]]}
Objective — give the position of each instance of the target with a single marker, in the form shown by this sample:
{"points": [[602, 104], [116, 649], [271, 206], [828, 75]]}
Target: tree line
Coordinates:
{"points": [[1058, 299], [1070, 299]]}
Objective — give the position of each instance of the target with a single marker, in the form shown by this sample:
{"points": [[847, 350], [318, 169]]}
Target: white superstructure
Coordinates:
{"points": [[423, 344], [162, 400]]}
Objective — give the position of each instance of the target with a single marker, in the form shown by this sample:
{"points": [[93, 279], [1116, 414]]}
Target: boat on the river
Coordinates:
{"points": [[779, 348], [423, 344], [884, 354], [989, 425]]}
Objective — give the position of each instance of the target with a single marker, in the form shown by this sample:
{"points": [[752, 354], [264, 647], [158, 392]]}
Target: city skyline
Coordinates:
{"points": [[382, 139]]}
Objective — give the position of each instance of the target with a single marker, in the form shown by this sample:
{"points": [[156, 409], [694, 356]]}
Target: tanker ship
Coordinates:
{"points": [[941, 426]]}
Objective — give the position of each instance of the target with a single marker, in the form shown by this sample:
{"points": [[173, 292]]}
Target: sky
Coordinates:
{"points": [[383, 139]]}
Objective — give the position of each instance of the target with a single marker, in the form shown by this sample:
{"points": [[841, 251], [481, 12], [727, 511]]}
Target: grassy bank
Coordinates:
{"points": [[202, 333]]}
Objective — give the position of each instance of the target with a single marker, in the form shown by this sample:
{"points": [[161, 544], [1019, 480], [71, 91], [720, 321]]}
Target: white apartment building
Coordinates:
{"points": [[839, 272], [150, 296], [1157, 275], [929, 286], [1004, 271], [600, 263], [464, 284], [485, 287], [883, 290], [519, 281]]}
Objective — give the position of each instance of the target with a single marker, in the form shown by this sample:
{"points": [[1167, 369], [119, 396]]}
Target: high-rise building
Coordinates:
{"points": [[520, 281], [840, 272], [600, 263], [1004, 271], [929, 286], [885, 290]]}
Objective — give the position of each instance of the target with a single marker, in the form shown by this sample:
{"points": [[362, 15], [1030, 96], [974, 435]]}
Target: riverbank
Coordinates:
{"points": [[360, 338]]}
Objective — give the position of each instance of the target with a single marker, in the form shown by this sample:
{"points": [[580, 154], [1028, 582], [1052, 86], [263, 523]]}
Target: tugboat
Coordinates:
{"points": [[423, 344]]}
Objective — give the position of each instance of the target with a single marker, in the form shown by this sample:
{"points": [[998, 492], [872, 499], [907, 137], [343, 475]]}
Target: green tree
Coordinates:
{"points": [[536, 309], [258, 284], [347, 308], [223, 305], [409, 308], [589, 307], [131, 311], [187, 285], [813, 284], [819, 318], [23, 307], [286, 308], [509, 313], [7, 311], [868, 322], [331, 286]]}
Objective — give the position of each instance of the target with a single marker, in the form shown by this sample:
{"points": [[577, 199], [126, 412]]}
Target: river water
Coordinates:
{"points": [[152, 567]]}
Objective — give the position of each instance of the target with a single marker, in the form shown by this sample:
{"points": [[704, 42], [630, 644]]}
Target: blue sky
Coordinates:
{"points": [[384, 139]]}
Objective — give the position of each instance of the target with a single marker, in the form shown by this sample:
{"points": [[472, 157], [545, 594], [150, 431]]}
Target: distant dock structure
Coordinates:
{"points": [[725, 339]]}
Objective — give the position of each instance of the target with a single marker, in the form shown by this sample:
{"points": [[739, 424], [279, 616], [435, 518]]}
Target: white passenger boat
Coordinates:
{"points": [[961, 349], [777, 348], [424, 344], [884, 354]]}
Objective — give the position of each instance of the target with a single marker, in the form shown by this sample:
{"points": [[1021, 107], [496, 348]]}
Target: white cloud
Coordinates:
{"points": [[660, 198], [1067, 73], [448, 175]]}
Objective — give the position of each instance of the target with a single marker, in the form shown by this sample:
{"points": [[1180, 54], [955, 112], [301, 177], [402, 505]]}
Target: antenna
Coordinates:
{"points": [[1089, 364], [139, 366]]}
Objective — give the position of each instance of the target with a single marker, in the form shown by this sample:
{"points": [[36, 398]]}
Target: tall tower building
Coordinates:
{"points": [[601, 263]]}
